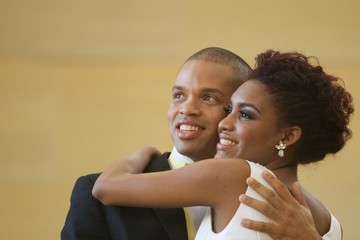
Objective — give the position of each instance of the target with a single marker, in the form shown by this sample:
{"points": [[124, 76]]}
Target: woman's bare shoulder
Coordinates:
{"points": [[320, 213]]}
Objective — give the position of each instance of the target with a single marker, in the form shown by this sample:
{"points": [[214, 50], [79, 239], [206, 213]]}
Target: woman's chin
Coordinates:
{"points": [[223, 154]]}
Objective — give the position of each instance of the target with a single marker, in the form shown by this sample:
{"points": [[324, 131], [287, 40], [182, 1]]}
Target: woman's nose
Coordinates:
{"points": [[226, 124]]}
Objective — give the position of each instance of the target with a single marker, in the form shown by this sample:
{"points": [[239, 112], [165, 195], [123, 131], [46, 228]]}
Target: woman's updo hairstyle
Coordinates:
{"points": [[305, 96]]}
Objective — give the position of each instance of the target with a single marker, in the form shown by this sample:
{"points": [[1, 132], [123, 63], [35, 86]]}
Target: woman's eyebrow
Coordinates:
{"points": [[243, 104]]}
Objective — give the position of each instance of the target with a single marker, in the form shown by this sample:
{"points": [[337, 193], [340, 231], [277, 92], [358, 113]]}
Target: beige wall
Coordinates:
{"points": [[84, 82]]}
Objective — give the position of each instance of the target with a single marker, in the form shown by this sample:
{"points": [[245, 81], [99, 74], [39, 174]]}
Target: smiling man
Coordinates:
{"points": [[201, 94]]}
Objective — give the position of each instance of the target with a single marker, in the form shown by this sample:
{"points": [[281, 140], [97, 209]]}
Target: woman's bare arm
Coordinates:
{"points": [[207, 182]]}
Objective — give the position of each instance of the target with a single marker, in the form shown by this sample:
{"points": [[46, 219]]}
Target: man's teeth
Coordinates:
{"points": [[188, 128], [227, 142]]}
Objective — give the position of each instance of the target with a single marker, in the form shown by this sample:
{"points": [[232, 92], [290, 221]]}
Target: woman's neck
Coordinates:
{"points": [[286, 174]]}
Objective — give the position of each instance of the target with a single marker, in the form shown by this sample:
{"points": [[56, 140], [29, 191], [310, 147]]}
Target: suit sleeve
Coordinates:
{"points": [[85, 219], [89, 219]]}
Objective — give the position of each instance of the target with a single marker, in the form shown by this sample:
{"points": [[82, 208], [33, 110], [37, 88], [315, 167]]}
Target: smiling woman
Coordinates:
{"points": [[260, 119], [250, 125]]}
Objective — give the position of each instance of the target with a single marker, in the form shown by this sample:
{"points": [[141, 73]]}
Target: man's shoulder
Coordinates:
{"points": [[88, 178], [159, 164]]}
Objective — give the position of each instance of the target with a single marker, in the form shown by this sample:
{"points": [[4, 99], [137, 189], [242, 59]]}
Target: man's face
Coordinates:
{"points": [[201, 91]]}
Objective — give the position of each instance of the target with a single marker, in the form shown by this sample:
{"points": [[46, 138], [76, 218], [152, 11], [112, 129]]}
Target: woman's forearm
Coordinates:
{"points": [[110, 180]]}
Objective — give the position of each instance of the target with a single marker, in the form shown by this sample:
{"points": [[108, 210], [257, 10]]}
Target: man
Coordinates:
{"points": [[201, 91]]}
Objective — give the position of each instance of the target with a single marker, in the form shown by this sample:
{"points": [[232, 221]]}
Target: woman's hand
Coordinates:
{"points": [[140, 158]]}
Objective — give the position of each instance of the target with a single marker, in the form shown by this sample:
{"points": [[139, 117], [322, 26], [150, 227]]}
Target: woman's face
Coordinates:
{"points": [[251, 130]]}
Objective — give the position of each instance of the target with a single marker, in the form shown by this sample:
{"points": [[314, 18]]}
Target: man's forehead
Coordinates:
{"points": [[203, 67], [205, 77], [204, 81]]}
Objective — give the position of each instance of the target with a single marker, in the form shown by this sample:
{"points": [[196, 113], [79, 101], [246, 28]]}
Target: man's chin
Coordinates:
{"points": [[185, 149], [194, 153]]}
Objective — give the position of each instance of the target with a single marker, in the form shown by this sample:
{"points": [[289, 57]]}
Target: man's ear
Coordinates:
{"points": [[292, 135]]}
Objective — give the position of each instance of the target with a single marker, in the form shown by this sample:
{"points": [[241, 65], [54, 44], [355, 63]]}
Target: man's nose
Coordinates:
{"points": [[190, 107]]}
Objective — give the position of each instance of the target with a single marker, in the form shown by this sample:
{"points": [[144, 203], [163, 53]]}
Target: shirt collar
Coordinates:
{"points": [[177, 160]]}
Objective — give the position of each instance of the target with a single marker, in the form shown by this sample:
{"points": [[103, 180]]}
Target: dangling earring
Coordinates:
{"points": [[281, 148]]}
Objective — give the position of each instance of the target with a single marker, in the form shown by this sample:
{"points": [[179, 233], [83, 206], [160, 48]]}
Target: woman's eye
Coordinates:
{"points": [[246, 115], [227, 110]]}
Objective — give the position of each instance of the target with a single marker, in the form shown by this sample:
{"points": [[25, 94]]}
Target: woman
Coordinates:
{"points": [[288, 113]]}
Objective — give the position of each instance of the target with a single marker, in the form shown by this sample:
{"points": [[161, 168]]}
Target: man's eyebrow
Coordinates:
{"points": [[204, 90], [213, 90], [174, 88], [243, 104]]}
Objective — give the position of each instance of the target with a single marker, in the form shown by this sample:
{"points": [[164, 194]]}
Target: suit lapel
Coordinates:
{"points": [[173, 219]]}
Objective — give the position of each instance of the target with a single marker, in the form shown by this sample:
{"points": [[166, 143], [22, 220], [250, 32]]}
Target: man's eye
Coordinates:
{"points": [[210, 98], [177, 95]]}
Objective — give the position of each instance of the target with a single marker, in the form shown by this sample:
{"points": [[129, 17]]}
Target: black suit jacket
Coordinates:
{"points": [[90, 219]]}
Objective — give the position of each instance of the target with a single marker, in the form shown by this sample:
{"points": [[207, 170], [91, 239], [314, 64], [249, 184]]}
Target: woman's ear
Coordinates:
{"points": [[292, 135]]}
